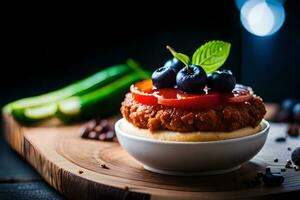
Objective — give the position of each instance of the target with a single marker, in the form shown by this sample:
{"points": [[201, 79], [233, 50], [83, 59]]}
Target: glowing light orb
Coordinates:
{"points": [[262, 17]]}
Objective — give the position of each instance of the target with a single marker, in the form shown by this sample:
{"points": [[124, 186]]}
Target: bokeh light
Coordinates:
{"points": [[262, 17]]}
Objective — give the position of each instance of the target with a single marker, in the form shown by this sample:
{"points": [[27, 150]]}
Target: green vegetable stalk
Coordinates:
{"points": [[97, 80], [101, 102], [35, 109]]}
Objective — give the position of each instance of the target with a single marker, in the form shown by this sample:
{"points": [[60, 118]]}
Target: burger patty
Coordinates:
{"points": [[222, 118]]}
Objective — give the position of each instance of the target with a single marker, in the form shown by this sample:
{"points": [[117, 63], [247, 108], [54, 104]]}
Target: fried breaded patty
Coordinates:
{"points": [[222, 118]]}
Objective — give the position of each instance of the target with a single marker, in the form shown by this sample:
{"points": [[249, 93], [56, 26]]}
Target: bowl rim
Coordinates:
{"points": [[265, 124]]}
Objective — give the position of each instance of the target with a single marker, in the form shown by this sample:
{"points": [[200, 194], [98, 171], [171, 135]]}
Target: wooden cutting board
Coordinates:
{"points": [[72, 165]]}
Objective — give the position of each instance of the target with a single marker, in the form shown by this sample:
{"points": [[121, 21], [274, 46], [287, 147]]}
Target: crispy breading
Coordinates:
{"points": [[227, 117]]}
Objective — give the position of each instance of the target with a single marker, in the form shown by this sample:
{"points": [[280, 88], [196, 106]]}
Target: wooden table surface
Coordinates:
{"points": [[18, 180]]}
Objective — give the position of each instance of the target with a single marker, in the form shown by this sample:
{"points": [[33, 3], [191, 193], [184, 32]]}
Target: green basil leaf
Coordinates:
{"points": [[180, 56], [212, 55]]}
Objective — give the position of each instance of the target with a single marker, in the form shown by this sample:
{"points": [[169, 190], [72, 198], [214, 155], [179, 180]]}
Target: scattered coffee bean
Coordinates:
{"points": [[102, 136], [91, 124], [104, 123], [80, 172], [289, 149], [98, 129], [288, 164], [296, 156], [276, 160], [280, 139], [294, 130], [84, 132], [110, 135], [282, 169], [272, 179], [104, 166], [92, 135]]}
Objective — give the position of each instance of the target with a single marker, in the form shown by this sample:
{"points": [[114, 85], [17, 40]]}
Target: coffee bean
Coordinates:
{"points": [[92, 135], [104, 166], [289, 149], [288, 164], [91, 124], [102, 136], [110, 135], [105, 129], [98, 128], [282, 169], [276, 160], [84, 132], [104, 123], [280, 139]]}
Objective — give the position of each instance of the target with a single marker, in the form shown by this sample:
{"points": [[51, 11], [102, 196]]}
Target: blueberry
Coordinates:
{"points": [[164, 77], [191, 79], [221, 81], [288, 104], [296, 156], [175, 64]]}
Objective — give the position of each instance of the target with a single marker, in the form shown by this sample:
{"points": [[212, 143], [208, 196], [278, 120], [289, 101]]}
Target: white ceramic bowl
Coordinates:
{"points": [[192, 158]]}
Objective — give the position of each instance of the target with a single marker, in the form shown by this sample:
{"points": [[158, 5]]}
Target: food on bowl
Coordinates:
{"points": [[195, 136], [191, 100]]}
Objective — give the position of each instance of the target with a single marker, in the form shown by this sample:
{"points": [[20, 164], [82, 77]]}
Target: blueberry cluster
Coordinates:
{"points": [[191, 78], [289, 111]]}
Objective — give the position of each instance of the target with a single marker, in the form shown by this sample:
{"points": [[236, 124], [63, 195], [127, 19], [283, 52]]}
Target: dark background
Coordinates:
{"points": [[47, 49]]}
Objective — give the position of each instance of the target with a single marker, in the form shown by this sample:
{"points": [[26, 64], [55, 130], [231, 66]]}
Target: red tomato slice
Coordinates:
{"points": [[238, 95], [143, 92], [177, 98]]}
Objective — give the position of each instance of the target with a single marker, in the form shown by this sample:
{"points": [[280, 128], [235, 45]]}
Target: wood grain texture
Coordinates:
{"points": [[73, 167]]}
